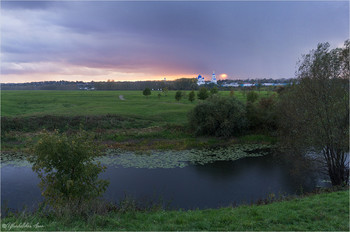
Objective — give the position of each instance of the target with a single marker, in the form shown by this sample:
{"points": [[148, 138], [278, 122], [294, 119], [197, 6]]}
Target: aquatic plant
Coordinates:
{"points": [[16, 159], [180, 159], [161, 159]]}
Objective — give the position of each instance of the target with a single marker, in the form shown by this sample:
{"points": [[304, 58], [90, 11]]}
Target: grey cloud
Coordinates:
{"points": [[240, 38], [26, 4]]}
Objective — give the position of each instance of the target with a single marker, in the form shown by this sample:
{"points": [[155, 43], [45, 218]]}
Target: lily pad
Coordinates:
{"points": [[180, 159], [159, 158], [16, 159]]}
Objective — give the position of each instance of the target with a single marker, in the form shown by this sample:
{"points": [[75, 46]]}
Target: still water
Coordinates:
{"points": [[212, 185]]}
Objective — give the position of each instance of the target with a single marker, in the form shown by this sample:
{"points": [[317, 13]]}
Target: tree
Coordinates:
{"points": [[252, 96], [67, 169], [146, 92], [165, 91], [262, 114], [185, 84], [178, 95], [314, 112], [258, 86], [191, 96], [218, 116], [203, 93], [214, 90]]}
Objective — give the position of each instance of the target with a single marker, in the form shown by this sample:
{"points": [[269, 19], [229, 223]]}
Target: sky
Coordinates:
{"points": [[153, 40]]}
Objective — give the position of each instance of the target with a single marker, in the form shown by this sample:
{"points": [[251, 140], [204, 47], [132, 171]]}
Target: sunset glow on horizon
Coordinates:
{"points": [[136, 41], [223, 76], [95, 78]]}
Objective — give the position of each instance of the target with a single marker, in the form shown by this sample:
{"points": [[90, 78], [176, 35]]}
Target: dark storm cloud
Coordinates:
{"points": [[243, 39], [163, 33], [26, 4]]}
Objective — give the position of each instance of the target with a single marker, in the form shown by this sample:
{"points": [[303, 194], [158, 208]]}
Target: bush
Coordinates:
{"points": [[67, 170], [178, 95], [268, 112], [218, 116], [191, 96], [146, 92], [214, 90], [252, 96], [203, 93], [165, 91], [262, 115]]}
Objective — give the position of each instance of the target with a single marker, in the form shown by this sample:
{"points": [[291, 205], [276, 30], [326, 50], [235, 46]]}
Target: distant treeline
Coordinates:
{"points": [[179, 84]]}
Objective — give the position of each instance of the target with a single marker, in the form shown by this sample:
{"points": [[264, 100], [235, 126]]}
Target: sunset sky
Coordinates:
{"points": [[129, 41]]}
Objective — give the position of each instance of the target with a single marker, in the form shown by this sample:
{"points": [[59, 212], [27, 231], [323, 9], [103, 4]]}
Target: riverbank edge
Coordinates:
{"points": [[168, 137], [324, 211]]}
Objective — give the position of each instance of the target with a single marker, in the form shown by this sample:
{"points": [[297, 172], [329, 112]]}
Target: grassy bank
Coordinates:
{"points": [[326, 212]]}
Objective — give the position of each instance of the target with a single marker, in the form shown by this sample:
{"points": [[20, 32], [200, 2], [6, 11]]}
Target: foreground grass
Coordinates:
{"points": [[326, 212]]}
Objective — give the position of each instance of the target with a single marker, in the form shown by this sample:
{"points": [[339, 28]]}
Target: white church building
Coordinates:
{"points": [[201, 81]]}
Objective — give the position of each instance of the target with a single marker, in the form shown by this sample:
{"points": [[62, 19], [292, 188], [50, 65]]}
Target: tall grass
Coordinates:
{"points": [[322, 212]]}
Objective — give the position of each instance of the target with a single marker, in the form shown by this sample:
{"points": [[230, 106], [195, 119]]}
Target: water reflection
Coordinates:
{"points": [[209, 186], [19, 187]]}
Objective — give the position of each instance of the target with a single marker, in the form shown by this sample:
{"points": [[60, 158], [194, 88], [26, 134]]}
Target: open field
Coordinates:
{"points": [[322, 212], [138, 122], [71, 103]]}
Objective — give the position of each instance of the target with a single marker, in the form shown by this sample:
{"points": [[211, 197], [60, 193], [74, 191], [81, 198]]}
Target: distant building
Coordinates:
{"points": [[200, 80], [213, 79], [274, 84], [231, 85], [267, 84], [247, 85], [85, 86]]}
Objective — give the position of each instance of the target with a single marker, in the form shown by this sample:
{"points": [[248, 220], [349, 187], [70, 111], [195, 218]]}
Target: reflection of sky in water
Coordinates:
{"points": [[19, 186], [196, 186]]}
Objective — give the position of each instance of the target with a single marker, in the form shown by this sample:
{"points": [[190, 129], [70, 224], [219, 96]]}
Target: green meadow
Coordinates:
{"points": [[71, 103], [136, 122]]}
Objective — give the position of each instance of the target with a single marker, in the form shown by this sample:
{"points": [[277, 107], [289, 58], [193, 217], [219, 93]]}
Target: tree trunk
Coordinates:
{"points": [[337, 169]]}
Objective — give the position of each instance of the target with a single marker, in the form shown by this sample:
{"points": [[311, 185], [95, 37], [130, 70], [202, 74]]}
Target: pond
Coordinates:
{"points": [[180, 179]]}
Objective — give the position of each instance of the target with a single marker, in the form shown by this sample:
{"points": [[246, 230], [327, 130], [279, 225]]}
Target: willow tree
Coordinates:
{"points": [[314, 112]]}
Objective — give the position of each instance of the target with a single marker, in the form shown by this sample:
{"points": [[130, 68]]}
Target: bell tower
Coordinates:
{"points": [[213, 78]]}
